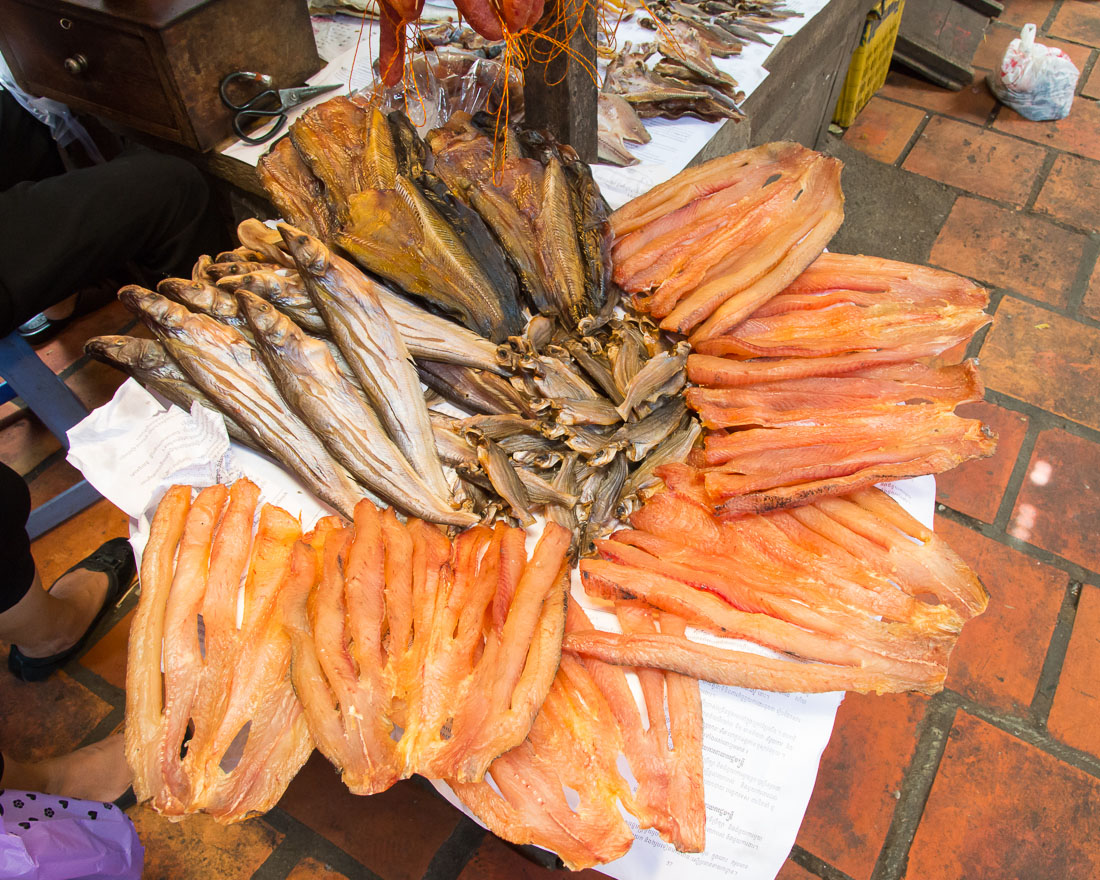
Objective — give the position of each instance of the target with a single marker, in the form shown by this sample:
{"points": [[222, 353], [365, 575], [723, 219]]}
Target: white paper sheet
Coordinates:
{"points": [[760, 750]]}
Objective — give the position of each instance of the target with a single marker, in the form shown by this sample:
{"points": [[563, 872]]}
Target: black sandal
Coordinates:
{"points": [[115, 559]]}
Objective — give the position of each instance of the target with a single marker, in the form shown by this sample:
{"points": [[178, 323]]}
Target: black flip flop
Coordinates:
{"points": [[115, 559]]}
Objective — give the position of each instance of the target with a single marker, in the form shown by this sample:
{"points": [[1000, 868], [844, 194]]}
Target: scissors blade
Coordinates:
{"points": [[294, 97]]}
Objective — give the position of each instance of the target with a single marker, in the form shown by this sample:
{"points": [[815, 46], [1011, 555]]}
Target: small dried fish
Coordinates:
{"points": [[595, 365], [641, 436], [674, 448], [605, 502], [566, 514], [472, 390], [542, 492], [594, 411], [507, 483], [496, 427], [660, 376]]}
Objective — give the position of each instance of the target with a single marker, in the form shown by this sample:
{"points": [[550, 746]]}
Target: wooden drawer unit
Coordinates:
{"points": [[155, 65]]}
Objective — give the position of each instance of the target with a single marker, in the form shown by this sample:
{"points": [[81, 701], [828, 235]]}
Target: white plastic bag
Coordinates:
{"points": [[1034, 80]]}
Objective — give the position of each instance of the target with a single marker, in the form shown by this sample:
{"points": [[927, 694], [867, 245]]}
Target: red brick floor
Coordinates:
{"points": [[998, 776]]}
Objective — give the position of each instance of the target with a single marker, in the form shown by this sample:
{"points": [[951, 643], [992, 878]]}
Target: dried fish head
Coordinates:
{"points": [[310, 255]]}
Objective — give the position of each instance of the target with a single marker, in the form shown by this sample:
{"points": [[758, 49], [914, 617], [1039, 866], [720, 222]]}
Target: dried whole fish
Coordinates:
{"points": [[472, 390], [220, 361], [284, 291], [295, 190], [310, 381], [370, 341], [148, 363], [399, 235], [618, 125], [659, 377], [506, 481]]}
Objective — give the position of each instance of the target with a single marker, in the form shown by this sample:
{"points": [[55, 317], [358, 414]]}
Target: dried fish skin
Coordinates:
{"points": [[295, 189], [398, 235], [310, 381], [370, 341], [219, 360]]}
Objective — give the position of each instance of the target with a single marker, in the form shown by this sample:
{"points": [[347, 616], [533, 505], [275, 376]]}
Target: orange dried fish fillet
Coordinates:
{"points": [[144, 703], [822, 399], [574, 742], [707, 611], [704, 368], [798, 238], [233, 686], [906, 282], [894, 543], [844, 328], [741, 669], [754, 179], [691, 184], [182, 655]]}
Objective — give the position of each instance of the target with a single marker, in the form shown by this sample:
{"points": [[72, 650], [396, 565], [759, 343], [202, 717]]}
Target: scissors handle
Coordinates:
{"points": [[248, 76], [242, 117]]}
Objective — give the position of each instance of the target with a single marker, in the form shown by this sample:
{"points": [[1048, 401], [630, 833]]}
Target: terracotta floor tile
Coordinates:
{"points": [[107, 657], [1000, 653], [975, 160], [1040, 357], [984, 819], [44, 718], [997, 37], [68, 346], [1075, 715], [495, 860], [1090, 88], [198, 846], [1021, 12], [1077, 21], [1006, 248], [1078, 133], [1071, 192], [972, 103], [25, 443], [1090, 305], [95, 383], [976, 487], [54, 480], [794, 871], [883, 128], [1058, 507], [395, 833], [861, 769], [57, 550], [311, 869]]}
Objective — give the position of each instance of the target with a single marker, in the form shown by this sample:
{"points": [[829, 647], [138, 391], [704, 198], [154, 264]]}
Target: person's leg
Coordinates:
{"points": [[27, 149], [66, 232], [40, 624], [94, 773]]}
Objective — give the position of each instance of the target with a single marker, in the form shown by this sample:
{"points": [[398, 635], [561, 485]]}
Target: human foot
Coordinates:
{"points": [[79, 596], [94, 773]]}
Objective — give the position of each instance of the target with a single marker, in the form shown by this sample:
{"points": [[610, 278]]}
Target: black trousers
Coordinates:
{"points": [[63, 230], [16, 563]]}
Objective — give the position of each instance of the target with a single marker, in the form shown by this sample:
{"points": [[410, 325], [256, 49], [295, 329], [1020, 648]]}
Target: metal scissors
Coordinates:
{"points": [[267, 104]]}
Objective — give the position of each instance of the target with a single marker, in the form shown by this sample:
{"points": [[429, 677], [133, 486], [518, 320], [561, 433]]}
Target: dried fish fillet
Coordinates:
{"points": [[232, 686]]}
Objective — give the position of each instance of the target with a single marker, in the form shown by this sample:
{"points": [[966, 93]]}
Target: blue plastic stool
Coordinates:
{"points": [[59, 409]]}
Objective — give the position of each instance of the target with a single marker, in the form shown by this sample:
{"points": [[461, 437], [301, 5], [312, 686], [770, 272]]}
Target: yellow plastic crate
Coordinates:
{"points": [[870, 61]]}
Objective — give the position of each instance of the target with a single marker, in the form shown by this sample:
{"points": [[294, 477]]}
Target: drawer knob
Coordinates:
{"points": [[76, 65]]}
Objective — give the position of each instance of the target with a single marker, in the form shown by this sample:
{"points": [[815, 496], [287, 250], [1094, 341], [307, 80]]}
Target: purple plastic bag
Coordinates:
{"points": [[44, 837]]}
